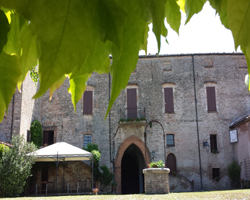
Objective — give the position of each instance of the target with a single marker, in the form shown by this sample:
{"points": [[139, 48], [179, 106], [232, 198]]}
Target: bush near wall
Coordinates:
{"points": [[36, 132]]}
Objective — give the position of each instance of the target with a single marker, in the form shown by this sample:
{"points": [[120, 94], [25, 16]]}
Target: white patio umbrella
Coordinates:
{"points": [[61, 151]]}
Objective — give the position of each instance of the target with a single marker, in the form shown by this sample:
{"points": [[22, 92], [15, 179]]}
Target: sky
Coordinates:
{"points": [[204, 33]]}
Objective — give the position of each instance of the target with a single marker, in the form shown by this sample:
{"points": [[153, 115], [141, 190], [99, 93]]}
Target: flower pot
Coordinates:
{"points": [[95, 190]]}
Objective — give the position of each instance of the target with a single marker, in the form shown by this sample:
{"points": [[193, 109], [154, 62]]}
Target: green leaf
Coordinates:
{"points": [[29, 55], [181, 4], [221, 8], [173, 15], [246, 51], [77, 88], [192, 7], [13, 45], [238, 21], [55, 86], [9, 75], [5, 28], [133, 32], [157, 9]]}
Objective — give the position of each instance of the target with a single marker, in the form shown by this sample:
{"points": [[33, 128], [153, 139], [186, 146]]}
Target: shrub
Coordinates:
{"points": [[233, 170], [3, 149], [106, 176], [36, 132], [158, 164], [15, 167]]}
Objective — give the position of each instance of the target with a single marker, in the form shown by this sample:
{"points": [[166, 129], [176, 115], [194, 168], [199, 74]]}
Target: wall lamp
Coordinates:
{"points": [[206, 144]]}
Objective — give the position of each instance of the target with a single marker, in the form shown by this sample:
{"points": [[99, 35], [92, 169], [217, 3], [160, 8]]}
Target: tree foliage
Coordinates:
{"points": [[234, 170], [3, 149], [36, 132], [74, 38], [15, 167]]}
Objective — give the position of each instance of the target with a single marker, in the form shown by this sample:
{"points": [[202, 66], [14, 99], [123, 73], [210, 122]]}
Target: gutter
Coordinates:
{"points": [[197, 123]]}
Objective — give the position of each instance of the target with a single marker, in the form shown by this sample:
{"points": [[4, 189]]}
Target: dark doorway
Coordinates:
{"points": [[132, 166], [44, 179]]}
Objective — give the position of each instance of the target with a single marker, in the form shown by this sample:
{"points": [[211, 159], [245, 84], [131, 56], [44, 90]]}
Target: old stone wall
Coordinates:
{"points": [[179, 183]]}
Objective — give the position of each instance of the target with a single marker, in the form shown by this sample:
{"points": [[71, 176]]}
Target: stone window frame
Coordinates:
{"points": [[211, 84], [132, 86], [172, 145], [90, 135], [168, 85], [51, 128], [212, 147], [88, 88]]}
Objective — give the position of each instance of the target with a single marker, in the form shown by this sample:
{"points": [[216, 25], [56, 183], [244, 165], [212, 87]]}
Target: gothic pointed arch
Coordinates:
{"points": [[118, 161]]}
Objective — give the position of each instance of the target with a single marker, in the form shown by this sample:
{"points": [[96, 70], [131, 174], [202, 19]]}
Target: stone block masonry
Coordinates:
{"points": [[156, 180]]}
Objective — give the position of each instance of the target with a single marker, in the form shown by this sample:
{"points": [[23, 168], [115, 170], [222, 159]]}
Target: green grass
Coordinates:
{"points": [[228, 194]]}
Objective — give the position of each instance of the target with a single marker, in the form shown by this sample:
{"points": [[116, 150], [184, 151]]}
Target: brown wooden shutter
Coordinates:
{"points": [[169, 100], [87, 105], [171, 163], [211, 100], [131, 103]]}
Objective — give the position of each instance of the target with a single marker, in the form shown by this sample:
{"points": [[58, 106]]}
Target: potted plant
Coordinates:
{"points": [[95, 190]]}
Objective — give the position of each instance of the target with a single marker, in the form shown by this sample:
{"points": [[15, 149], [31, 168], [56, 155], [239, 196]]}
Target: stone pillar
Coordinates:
{"points": [[156, 180]]}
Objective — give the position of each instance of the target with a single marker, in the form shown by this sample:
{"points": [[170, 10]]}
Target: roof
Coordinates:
{"points": [[240, 120], [61, 151], [6, 143]]}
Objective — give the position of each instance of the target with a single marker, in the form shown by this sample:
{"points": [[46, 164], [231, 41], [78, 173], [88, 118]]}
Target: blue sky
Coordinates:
{"points": [[203, 34]]}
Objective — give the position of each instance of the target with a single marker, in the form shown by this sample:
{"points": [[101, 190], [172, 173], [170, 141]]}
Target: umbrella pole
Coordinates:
{"points": [[56, 171]]}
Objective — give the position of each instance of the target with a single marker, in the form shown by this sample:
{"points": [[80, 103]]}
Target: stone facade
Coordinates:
{"points": [[189, 76], [156, 180]]}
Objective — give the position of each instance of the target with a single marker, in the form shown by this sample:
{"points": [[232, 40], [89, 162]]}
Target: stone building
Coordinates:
{"points": [[190, 101]]}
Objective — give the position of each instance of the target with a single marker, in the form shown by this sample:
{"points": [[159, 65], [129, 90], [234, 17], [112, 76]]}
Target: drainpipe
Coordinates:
{"points": [[109, 124], [197, 123], [12, 119]]}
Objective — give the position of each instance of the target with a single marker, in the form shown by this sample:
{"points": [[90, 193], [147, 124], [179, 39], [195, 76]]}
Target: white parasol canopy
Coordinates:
{"points": [[61, 151]]}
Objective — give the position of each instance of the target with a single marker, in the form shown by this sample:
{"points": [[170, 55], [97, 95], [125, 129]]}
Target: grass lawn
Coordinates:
{"points": [[228, 194]]}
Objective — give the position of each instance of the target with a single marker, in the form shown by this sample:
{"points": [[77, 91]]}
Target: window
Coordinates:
{"points": [[211, 100], [131, 103], [28, 136], [213, 143], [216, 173], [87, 139], [171, 163], [169, 101], [170, 140], [48, 138], [87, 102]]}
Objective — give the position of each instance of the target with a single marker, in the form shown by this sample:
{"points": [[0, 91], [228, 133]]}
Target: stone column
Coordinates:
{"points": [[156, 180]]}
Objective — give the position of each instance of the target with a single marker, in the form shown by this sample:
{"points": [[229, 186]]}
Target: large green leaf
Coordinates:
{"points": [[221, 7], [5, 28], [157, 9], [173, 15], [239, 21], [9, 74], [29, 55], [77, 88], [192, 7]]}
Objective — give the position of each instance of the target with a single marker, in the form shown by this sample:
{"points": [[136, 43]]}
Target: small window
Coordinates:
{"points": [[169, 100], [216, 173], [170, 140], [211, 100], [213, 143], [87, 139], [48, 138], [87, 102]]}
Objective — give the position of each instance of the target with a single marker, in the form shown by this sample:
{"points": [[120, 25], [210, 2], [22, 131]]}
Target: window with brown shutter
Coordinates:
{"points": [[171, 163], [131, 103], [169, 100], [213, 143], [87, 102], [211, 100]]}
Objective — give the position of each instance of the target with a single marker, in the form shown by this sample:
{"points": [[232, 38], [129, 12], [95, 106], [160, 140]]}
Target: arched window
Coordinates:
{"points": [[171, 163]]}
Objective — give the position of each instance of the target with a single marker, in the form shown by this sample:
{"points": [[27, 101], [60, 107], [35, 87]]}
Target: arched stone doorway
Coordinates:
{"points": [[131, 154]]}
